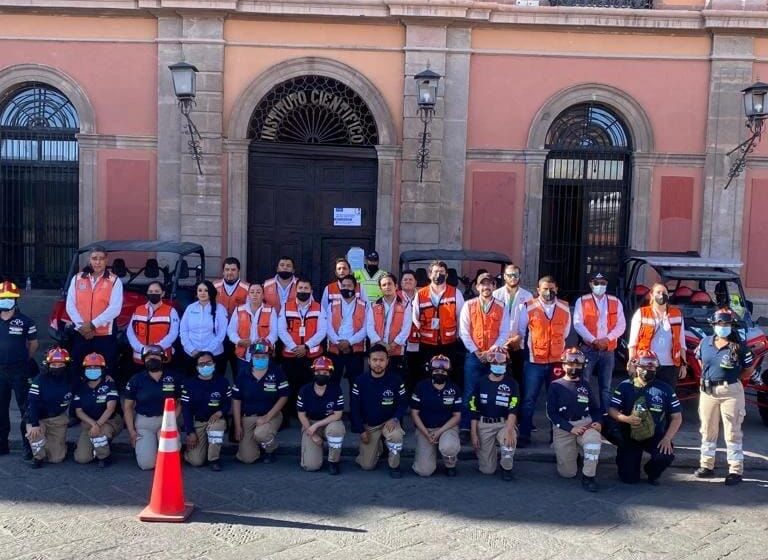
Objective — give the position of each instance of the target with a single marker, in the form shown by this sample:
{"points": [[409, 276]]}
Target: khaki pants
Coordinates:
{"points": [[370, 452], [727, 403], [567, 447], [425, 461], [487, 456], [312, 453], [85, 450], [257, 437], [204, 449], [147, 430], [53, 445]]}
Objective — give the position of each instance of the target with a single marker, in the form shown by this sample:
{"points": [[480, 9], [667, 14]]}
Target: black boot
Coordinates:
{"points": [[395, 472], [334, 469], [450, 472], [589, 483], [269, 458], [506, 475], [4, 447], [701, 472], [36, 463], [215, 466], [732, 479]]}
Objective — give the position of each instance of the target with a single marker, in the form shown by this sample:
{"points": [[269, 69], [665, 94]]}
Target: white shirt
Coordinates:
{"points": [[435, 297], [285, 336], [166, 342], [283, 293], [197, 329], [465, 328], [347, 328], [234, 337], [602, 321], [515, 306], [661, 343], [112, 311], [230, 289], [400, 338]]}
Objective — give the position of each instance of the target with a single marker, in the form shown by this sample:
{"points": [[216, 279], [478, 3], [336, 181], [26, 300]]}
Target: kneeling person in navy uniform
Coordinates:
{"points": [[378, 405], [95, 404], [493, 406], [649, 416], [436, 412], [572, 408]]}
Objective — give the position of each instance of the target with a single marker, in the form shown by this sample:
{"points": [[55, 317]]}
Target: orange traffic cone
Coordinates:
{"points": [[167, 501]]}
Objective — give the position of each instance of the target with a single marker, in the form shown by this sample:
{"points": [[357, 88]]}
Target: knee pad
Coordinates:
{"points": [[708, 448], [394, 448], [735, 451], [215, 437], [100, 441], [591, 451], [265, 444], [507, 452], [37, 446], [334, 442]]}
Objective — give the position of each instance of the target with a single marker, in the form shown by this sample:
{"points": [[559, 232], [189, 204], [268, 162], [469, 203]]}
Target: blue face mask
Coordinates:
{"points": [[260, 363], [92, 374], [206, 371], [498, 369], [722, 331]]}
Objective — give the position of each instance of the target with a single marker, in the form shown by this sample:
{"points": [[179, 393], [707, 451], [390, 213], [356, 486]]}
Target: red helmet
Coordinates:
{"points": [[322, 364], [573, 357], [94, 360], [440, 362], [647, 360], [56, 355], [261, 346], [9, 290]]}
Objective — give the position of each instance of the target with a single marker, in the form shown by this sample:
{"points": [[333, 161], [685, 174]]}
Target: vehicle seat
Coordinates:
{"points": [[151, 268], [118, 268], [642, 293], [421, 277], [453, 277], [681, 296], [701, 298]]}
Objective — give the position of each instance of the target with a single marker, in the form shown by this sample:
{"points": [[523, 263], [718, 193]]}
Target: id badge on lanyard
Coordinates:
{"points": [[302, 328]]}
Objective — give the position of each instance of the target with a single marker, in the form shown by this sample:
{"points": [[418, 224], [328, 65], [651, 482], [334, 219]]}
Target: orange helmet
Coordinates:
{"points": [[573, 357], [322, 364], [9, 290], [647, 360], [94, 360], [57, 355], [440, 362], [261, 346]]}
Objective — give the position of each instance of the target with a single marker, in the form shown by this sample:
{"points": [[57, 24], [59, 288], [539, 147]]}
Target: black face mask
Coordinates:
{"points": [[440, 280], [153, 364], [661, 299], [572, 373], [372, 269], [321, 379], [57, 370], [439, 378], [284, 274], [154, 298], [646, 375], [549, 296], [346, 294], [303, 296]]}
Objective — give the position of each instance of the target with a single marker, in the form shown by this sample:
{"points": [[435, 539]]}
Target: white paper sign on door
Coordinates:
{"points": [[347, 217]]}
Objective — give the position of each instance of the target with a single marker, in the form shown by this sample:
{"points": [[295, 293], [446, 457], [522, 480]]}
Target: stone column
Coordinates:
{"points": [[237, 218], [385, 204], [639, 203], [534, 191], [731, 71]]}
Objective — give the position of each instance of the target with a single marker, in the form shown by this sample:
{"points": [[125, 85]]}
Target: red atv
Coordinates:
{"points": [[698, 286]]}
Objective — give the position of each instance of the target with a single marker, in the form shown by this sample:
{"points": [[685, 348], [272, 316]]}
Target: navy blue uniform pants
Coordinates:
{"points": [[351, 364], [629, 455], [14, 381]]}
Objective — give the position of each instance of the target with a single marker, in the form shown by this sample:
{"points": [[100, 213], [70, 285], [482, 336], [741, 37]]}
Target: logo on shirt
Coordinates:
{"points": [[17, 323], [387, 398], [449, 392], [215, 395], [102, 390]]}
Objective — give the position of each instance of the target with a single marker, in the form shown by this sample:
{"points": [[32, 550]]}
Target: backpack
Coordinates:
{"points": [[647, 426]]}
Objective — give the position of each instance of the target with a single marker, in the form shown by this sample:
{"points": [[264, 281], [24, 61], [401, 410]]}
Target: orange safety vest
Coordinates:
{"points": [[413, 338], [485, 327], [151, 328], [334, 292], [547, 340], [295, 321], [648, 328], [445, 314], [380, 322], [244, 321], [238, 297], [591, 315], [92, 301], [272, 293], [358, 322]]}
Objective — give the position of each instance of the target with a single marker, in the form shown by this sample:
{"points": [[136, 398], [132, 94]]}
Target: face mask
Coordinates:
{"points": [[571, 373], [661, 299], [599, 290], [321, 379], [722, 331], [92, 374], [346, 294], [154, 298], [303, 296], [498, 369], [206, 371], [260, 363], [284, 274], [154, 364], [439, 378], [57, 370], [646, 375], [549, 295], [440, 280], [372, 269], [7, 304]]}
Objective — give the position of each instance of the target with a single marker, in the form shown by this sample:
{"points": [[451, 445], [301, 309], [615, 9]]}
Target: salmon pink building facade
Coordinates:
{"points": [[563, 134]]}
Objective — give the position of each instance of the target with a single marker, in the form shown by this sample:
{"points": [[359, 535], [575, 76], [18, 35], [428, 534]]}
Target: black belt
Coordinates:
{"points": [[203, 419], [578, 419], [489, 420], [718, 383]]}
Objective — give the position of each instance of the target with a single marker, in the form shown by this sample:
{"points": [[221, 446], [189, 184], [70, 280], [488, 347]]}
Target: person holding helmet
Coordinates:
{"points": [[724, 362], [320, 406], [436, 411], [205, 403], [259, 395], [155, 322], [572, 408], [47, 409], [493, 405], [95, 404], [144, 404], [649, 415], [18, 343], [249, 322]]}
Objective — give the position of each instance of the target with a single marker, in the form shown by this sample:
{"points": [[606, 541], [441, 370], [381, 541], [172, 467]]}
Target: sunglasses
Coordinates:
{"points": [[511, 275]]}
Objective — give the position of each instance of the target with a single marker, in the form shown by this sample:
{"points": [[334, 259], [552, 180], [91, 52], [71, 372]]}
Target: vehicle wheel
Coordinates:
{"points": [[762, 402]]}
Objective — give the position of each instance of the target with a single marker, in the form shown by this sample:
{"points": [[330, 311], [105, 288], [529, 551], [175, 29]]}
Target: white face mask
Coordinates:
{"points": [[599, 290], [7, 304]]}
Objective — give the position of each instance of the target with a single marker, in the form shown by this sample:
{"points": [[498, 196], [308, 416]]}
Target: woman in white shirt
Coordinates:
{"points": [[204, 327]]}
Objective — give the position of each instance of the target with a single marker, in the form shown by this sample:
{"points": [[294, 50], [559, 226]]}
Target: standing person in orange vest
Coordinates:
{"points": [[408, 289], [301, 327], [599, 320], [547, 323], [483, 328], [281, 288], [346, 331], [154, 323], [659, 327], [389, 322], [231, 292], [436, 312], [332, 291], [250, 322], [94, 302]]}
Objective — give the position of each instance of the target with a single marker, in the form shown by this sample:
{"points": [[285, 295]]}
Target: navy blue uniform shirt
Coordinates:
{"points": [[93, 401], [149, 394], [494, 399], [14, 335], [568, 401], [317, 407], [660, 399], [202, 398], [377, 400], [49, 396], [435, 406], [712, 361], [258, 396]]}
